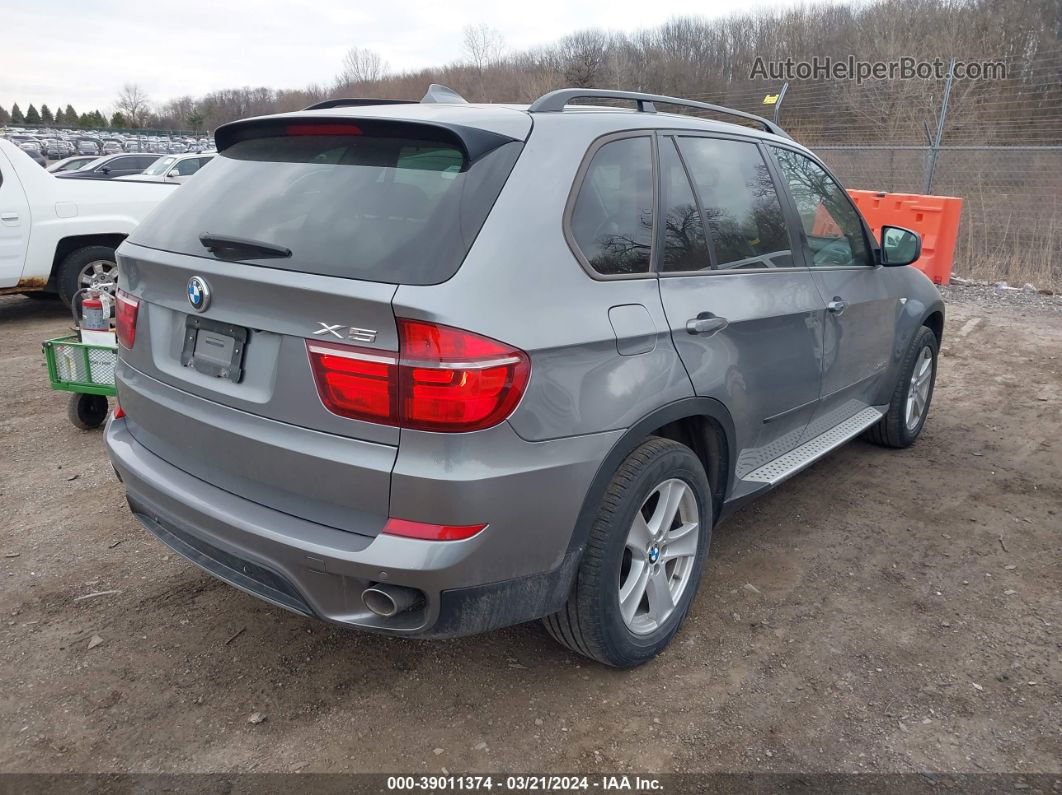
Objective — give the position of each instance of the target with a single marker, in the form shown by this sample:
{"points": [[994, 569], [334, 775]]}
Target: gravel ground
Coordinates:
{"points": [[988, 294], [882, 611]]}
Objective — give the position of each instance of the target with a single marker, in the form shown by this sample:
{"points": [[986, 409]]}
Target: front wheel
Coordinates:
{"points": [[643, 560], [911, 396]]}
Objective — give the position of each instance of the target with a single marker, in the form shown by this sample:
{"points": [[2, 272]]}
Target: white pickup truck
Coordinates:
{"points": [[59, 235]]}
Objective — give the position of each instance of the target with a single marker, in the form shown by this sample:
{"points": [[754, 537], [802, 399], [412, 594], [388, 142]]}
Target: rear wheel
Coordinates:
{"points": [[909, 406], [91, 266], [643, 559]]}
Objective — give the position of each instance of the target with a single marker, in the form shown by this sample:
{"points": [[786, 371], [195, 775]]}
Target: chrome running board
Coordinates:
{"points": [[812, 450]]}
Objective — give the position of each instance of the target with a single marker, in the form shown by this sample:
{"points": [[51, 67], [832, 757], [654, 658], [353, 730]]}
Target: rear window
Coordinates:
{"points": [[377, 208]]}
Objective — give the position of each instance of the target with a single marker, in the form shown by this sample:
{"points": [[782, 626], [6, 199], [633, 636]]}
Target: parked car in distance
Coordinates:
{"points": [[494, 363], [173, 168], [70, 164], [34, 151], [111, 147], [87, 147], [112, 166]]}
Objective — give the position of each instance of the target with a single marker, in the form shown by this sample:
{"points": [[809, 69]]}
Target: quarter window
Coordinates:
{"points": [[832, 227], [741, 206], [612, 220]]}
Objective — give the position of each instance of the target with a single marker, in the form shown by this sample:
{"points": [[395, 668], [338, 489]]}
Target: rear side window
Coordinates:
{"points": [[741, 205], [612, 219], [685, 246], [373, 207]]}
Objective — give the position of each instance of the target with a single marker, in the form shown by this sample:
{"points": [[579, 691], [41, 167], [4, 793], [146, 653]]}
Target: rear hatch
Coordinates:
{"points": [[298, 235]]}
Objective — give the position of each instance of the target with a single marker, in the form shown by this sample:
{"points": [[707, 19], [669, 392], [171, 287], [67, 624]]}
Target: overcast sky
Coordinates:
{"points": [[81, 51]]}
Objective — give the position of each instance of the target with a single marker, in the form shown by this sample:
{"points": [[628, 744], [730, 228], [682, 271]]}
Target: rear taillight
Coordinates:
{"points": [[125, 311], [444, 379]]}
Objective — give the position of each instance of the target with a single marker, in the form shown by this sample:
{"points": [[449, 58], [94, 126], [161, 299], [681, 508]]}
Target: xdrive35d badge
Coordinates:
{"points": [[198, 293]]}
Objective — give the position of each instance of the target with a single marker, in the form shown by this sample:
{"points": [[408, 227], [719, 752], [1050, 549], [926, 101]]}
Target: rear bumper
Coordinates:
{"points": [[517, 569]]}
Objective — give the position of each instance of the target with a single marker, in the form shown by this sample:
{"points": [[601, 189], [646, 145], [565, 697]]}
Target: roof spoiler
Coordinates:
{"points": [[473, 141]]}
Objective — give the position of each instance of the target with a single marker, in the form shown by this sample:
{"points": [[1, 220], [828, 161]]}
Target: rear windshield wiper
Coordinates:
{"points": [[238, 248]]}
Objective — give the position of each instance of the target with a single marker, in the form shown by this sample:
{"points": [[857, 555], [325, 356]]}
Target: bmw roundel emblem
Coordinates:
{"points": [[198, 293]]}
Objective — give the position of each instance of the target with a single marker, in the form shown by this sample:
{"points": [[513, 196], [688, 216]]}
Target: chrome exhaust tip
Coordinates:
{"points": [[388, 601]]}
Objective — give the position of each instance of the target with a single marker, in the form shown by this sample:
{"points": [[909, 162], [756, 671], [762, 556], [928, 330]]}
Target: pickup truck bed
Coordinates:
{"points": [[57, 235]]}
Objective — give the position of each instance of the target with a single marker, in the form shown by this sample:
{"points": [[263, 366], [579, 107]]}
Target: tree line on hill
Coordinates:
{"points": [[62, 117], [713, 60]]}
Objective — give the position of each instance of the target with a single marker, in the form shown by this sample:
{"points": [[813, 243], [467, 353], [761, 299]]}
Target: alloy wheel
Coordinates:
{"points": [[658, 556]]}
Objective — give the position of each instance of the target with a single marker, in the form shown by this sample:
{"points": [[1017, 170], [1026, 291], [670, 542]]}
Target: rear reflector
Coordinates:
{"points": [[430, 532], [125, 311], [444, 379], [119, 412]]}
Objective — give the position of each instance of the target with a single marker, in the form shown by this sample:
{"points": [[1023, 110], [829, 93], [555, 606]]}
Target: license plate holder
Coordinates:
{"points": [[214, 348]]}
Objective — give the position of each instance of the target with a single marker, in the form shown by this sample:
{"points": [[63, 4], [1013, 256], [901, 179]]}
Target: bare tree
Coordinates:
{"points": [[362, 66], [133, 104], [483, 45]]}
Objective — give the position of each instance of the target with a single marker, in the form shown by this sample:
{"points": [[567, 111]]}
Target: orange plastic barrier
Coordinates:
{"points": [[935, 218]]}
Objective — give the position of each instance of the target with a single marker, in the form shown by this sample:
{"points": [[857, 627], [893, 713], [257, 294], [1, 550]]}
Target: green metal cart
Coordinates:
{"points": [[87, 372]]}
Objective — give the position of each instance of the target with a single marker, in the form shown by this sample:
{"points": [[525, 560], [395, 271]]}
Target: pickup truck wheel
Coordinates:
{"points": [[91, 266], [909, 406], [643, 559]]}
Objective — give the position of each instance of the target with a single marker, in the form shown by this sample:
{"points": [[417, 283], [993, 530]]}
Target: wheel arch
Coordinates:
{"points": [[701, 423], [934, 321], [72, 243]]}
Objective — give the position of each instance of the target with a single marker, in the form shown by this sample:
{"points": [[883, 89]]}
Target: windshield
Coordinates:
{"points": [[385, 209], [161, 166]]}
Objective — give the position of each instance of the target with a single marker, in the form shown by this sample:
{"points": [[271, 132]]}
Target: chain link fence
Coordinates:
{"points": [[997, 144]]}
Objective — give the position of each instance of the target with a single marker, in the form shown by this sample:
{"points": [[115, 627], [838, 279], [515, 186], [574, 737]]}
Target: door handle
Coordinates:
{"points": [[9, 218], [837, 306], [706, 324]]}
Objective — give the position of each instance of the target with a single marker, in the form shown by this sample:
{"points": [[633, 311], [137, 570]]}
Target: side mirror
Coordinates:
{"points": [[174, 173], [899, 246], [105, 169]]}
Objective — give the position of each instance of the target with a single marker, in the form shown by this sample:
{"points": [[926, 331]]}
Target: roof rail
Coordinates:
{"points": [[555, 101], [351, 103]]}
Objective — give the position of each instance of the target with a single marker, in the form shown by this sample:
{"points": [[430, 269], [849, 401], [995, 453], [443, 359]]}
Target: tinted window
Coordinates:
{"points": [[188, 166], [740, 203], [831, 224], [380, 208], [685, 248], [612, 221]]}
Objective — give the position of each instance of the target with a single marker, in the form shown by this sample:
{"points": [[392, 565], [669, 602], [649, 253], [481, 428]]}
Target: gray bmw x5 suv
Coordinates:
{"points": [[433, 368]]}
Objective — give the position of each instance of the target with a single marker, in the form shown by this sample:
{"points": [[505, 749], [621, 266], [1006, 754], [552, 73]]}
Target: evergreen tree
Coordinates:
{"points": [[118, 120], [46, 115], [70, 115], [84, 121], [59, 117], [98, 119], [32, 116], [5, 117], [16, 115]]}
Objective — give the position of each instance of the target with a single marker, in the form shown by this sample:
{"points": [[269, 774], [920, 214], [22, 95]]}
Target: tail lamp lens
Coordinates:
{"points": [[125, 311], [445, 379]]}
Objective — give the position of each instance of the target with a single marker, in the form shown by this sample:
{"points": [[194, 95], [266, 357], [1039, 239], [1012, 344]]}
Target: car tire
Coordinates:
{"points": [[68, 277], [87, 411], [899, 427], [593, 623]]}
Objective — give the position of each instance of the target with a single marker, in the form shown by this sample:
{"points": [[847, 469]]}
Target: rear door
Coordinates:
{"points": [[744, 312], [14, 225], [861, 315], [288, 243]]}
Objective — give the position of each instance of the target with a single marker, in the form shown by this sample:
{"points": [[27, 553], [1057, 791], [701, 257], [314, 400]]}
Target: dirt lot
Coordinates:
{"points": [[883, 611]]}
